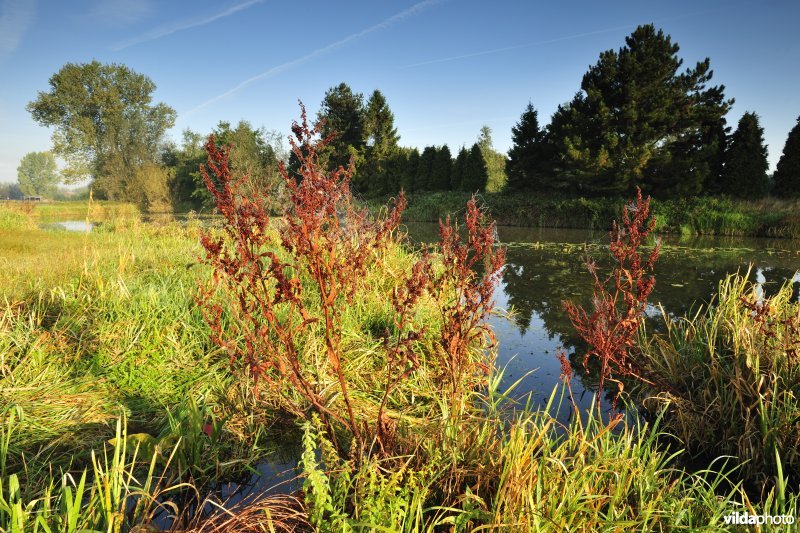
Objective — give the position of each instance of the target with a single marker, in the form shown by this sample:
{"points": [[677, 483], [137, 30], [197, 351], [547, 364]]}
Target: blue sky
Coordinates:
{"points": [[447, 67]]}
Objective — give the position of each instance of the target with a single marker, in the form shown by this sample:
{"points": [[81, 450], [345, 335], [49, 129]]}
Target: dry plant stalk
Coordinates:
{"points": [[619, 300]]}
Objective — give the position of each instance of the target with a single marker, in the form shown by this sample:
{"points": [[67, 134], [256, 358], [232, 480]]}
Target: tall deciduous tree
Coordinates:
{"points": [[184, 163], [495, 161], [37, 174], [745, 173], [106, 125], [641, 122], [787, 173], [526, 156]]}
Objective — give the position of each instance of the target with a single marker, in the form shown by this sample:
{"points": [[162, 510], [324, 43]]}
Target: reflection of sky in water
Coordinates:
{"points": [[545, 267], [71, 225]]}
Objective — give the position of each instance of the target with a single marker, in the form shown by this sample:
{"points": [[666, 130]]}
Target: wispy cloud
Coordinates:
{"points": [[517, 47], [163, 31], [16, 16], [411, 11], [121, 12]]}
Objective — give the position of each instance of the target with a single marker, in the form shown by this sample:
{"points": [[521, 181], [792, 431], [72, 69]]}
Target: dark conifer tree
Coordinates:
{"points": [[641, 121], [459, 169], [423, 181], [525, 158], [409, 175], [381, 144], [787, 173], [441, 169], [745, 172], [344, 114], [475, 175]]}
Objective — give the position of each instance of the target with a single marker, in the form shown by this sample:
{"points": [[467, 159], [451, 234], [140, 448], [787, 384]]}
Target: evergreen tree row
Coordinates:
{"points": [[641, 121], [364, 132]]}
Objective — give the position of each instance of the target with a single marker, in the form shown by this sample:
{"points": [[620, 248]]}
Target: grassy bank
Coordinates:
{"points": [[71, 210], [731, 381], [691, 216], [114, 401]]}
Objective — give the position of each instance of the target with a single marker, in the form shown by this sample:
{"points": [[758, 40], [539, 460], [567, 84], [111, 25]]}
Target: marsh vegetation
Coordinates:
{"points": [[149, 368]]}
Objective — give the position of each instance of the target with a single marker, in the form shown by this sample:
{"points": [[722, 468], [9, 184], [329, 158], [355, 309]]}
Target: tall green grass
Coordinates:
{"points": [[731, 380], [525, 473]]}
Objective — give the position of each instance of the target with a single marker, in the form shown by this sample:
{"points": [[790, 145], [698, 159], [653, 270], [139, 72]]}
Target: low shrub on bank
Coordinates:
{"points": [[14, 217], [689, 216]]}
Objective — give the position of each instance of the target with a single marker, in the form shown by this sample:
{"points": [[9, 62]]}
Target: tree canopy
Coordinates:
{"points": [[526, 156], [254, 157], [494, 160], [381, 162], [639, 121], [344, 115], [37, 174], [105, 123]]}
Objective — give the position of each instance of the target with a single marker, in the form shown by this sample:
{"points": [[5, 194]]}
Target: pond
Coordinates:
{"points": [[547, 266], [81, 226]]}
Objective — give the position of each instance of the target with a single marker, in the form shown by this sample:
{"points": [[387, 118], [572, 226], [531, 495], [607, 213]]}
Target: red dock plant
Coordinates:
{"points": [[609, 327], [320, 236], [280, 285], [467, 294]]}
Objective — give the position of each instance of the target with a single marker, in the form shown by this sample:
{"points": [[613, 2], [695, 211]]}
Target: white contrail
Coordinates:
{"points": [[185, 25], [413, 10], [15, 18], [517, 47]]}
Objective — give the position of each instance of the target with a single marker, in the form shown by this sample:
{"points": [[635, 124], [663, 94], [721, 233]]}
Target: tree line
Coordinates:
{"points": [[639, 120]]}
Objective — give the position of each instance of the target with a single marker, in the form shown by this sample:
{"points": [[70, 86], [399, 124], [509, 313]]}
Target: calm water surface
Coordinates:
{"points": [[547, 266]]}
